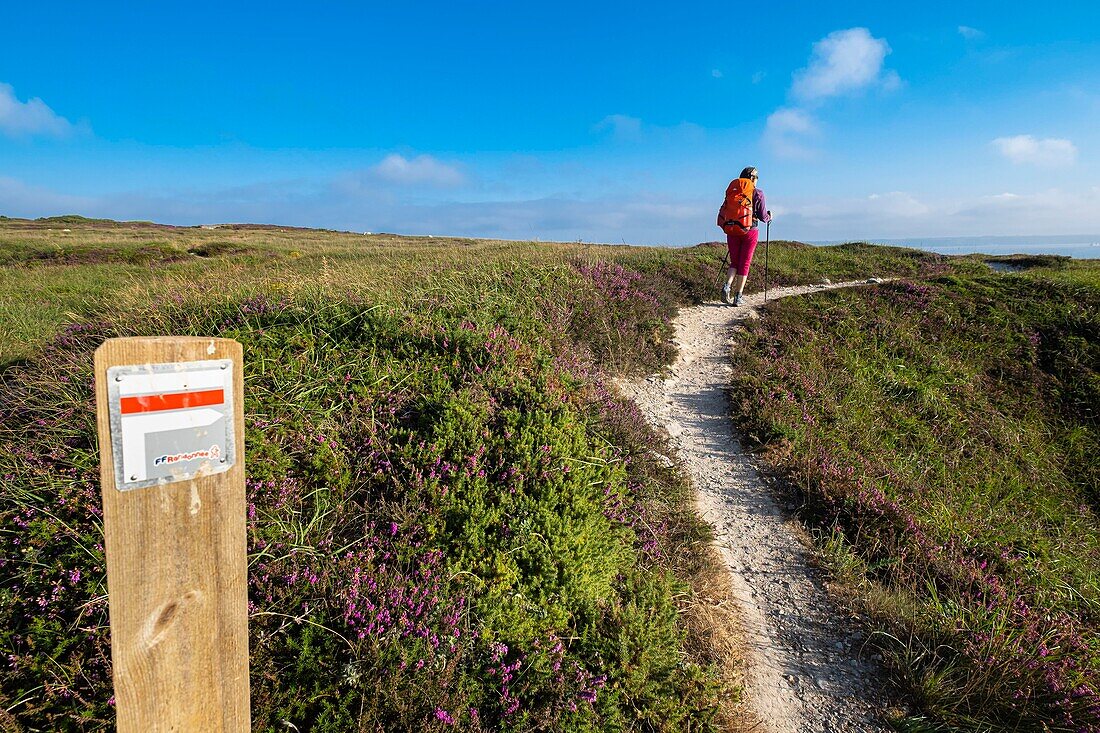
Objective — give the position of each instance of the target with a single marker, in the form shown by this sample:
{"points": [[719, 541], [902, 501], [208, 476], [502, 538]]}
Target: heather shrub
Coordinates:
{"points": [[943, 436], [440, 534]]}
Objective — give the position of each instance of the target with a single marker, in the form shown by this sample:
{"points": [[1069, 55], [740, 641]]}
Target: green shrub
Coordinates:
{"points": [[948, 432], [439, 530]]}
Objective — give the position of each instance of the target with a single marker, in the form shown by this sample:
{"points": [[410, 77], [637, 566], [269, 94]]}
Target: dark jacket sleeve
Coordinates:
{"points": [[760, 206]]}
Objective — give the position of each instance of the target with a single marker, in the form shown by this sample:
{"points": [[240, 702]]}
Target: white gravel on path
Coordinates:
{"points": [[803, 667]]}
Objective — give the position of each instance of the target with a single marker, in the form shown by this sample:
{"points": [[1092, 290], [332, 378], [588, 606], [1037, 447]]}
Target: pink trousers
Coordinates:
{"points": [[741, 247]]}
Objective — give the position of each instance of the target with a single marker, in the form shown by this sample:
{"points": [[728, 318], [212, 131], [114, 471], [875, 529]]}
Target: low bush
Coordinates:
{"points": [[441, 532], [944, 438]]}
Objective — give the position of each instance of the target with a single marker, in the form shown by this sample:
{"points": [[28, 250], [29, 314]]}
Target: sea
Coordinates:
{"points": [[1078, 247]]}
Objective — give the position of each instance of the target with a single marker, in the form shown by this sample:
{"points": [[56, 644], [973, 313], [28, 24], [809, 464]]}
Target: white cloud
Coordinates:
{"points": [[758, 76], [971, 34], [899, 214], [875, 210], [19, 199], [423, 169], [716, 73], [897, 204], [842, 62], [637, 220], [1051, 152], [1053, 211], [891, 82], [623, 127], [33, 117], [634, 217], [787, 132], [788, 119]]}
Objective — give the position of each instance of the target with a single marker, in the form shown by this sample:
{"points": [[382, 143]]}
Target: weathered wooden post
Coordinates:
{"points": [[171, 437]]}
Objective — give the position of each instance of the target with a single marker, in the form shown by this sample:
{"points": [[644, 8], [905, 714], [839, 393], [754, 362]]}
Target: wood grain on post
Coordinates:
{"points": [[176, 570]]}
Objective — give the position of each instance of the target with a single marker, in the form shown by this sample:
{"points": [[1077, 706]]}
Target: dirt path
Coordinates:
{"points": [[803, 668]]}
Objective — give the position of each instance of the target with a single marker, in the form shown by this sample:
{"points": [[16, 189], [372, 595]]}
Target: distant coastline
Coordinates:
{"points": [[1083, 246]]}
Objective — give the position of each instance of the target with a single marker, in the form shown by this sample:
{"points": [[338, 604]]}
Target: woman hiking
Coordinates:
{"points": [[741, 212]]}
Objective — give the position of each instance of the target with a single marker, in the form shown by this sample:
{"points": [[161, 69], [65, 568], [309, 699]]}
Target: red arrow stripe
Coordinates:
{"points": [[174, 401]]}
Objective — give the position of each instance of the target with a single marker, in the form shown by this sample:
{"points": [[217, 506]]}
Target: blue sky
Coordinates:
{"points": [[595, 121]]}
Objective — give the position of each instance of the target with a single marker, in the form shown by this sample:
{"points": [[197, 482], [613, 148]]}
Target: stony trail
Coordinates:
{"points": [[804, 671]]}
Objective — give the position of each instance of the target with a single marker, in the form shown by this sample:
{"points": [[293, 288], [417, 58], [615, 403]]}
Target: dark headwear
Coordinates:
{"points": [[747, 171]]}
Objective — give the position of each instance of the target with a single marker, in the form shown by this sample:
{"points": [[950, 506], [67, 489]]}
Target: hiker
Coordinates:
{"points": [[742, 210]]}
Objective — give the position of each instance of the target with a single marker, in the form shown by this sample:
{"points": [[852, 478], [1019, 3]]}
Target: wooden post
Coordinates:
{"points": [[174, 531]]}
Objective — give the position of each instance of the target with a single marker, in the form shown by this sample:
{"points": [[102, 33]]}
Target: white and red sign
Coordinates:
{"points": [[171, 422]]}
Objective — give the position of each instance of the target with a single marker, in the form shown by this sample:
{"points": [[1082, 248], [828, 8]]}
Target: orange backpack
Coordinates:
{"points": [[735, 216]]}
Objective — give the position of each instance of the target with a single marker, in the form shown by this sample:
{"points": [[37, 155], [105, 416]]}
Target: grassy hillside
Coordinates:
{"points": [[52, 274], [453, 521], [944, 437]]}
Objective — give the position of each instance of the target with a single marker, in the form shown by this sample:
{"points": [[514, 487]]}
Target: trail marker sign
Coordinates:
{"points": [[170, 418], [171, 422]]}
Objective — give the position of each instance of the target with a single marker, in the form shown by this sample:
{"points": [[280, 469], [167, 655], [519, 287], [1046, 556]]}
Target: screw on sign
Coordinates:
{"points": [[170, 419]]}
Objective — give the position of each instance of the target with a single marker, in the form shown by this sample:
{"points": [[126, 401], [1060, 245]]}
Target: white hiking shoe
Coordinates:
{"points": [[726, 293], [739, 300]]}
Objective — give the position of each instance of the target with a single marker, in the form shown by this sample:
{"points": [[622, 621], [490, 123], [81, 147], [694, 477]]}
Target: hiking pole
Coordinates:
{"points": [[723, 269], [767, 241]]}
